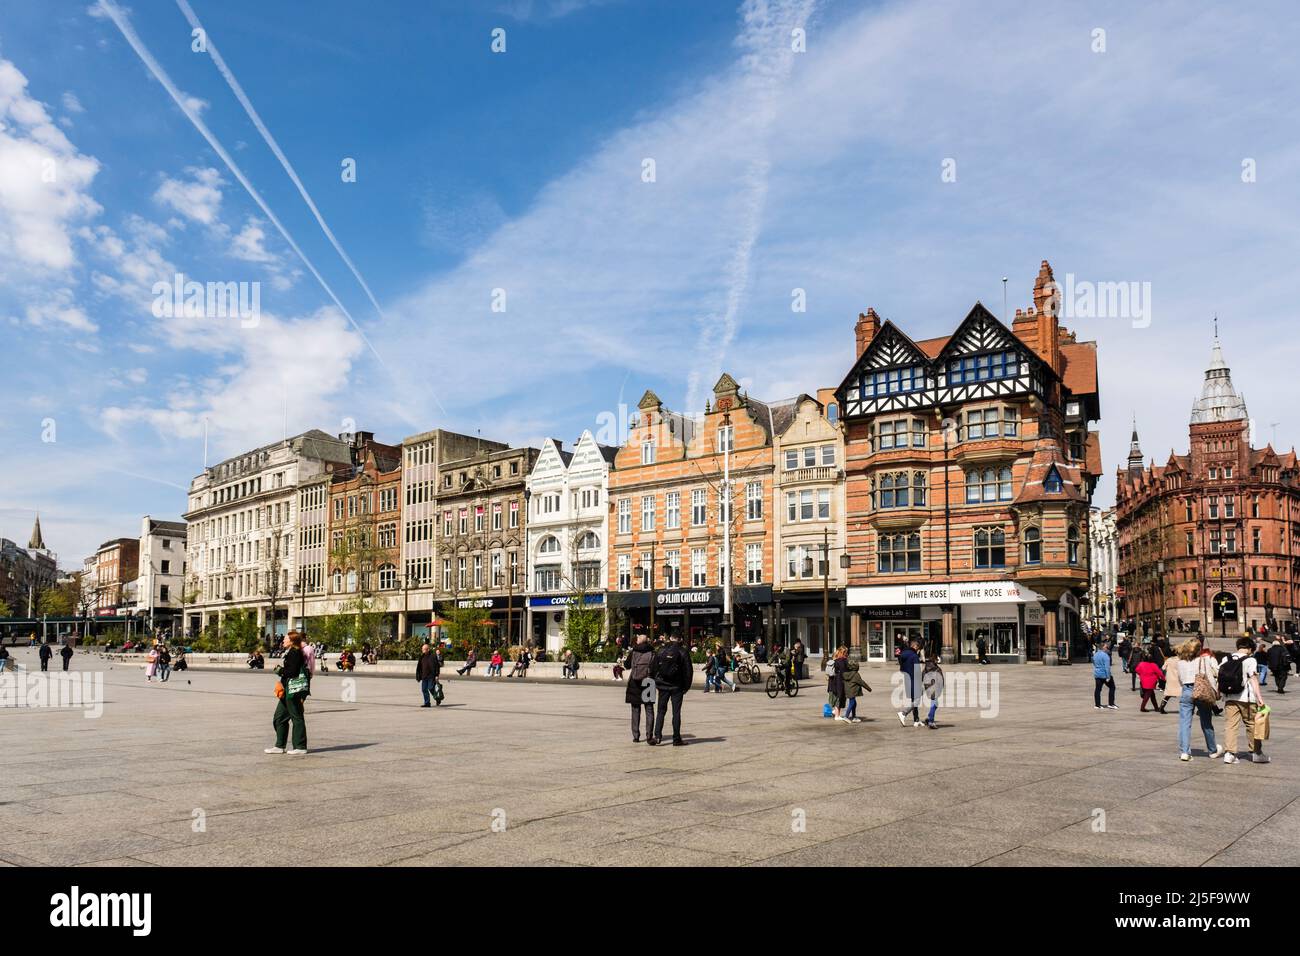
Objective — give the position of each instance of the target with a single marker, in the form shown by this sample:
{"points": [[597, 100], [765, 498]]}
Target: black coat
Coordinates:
{"points": [[638, 663], [685, 670], [46, 652], [1279, 661], [426, 667]]}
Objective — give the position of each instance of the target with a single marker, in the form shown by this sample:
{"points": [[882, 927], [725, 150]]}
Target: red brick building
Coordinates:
{"points": [[1210, 541], [970, 468]]}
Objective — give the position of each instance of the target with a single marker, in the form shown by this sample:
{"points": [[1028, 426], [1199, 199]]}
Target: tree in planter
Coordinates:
{"points": [[465, 628], [240, 632]]}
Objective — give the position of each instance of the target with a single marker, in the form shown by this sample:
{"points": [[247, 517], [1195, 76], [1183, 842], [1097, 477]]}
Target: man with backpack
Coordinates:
{"points": [[672, 673], [1239, 685]]}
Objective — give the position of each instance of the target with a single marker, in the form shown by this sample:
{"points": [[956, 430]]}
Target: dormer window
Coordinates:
{"points": [[982, 368], [1052, 484], [893, 382]]}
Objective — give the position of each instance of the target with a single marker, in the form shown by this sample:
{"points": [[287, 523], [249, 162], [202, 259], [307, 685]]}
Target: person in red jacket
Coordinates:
{"points": [[1149, 674]]}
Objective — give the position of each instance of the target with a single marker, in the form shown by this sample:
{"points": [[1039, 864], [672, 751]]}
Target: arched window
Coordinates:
{"points": [[387, 577], [589, 542], [991, 484], [898, 552], [990, 548], [338, 582], [352, 581], [1033, 546], [550, 545], [1072, 544], [894, 490]]}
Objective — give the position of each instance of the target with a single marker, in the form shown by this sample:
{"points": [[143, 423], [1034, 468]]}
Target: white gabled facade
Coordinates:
{"points": [[567, 523]]}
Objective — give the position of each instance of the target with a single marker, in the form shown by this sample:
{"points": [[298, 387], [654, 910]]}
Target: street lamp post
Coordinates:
{"points": [[641, 570]]}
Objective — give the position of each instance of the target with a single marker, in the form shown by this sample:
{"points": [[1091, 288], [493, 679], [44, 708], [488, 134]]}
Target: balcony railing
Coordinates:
{"points": [[821, 473]]}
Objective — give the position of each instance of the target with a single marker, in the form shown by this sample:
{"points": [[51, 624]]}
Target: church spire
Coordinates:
{"points": [[1134, 451], [1219, 400], [37, 543]]}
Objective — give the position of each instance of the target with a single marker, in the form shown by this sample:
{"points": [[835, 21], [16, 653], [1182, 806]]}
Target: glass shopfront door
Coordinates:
{"points": [[902, 634]]}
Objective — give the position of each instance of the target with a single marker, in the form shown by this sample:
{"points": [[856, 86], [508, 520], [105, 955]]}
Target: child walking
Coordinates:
{"points": [[1149, 674]]}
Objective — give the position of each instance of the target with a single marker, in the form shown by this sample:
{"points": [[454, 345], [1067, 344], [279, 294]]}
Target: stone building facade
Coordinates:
{"points": [[1210, 541], [1103, 572], [566, 528], [970, 468]]}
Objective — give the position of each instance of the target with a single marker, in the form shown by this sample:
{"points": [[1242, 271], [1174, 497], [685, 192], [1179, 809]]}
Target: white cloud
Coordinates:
{"points": [[44, 184], [59, 309], [71, 103], [197, 198]]}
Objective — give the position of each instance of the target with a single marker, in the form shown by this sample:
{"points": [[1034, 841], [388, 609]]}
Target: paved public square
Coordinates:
{"points": [[546, 773]]}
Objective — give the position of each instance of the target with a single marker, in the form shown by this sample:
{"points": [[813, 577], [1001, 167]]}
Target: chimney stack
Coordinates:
{"points": [[865, 330]]}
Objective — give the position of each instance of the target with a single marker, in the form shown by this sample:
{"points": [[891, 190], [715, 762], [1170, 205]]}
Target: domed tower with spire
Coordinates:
{"points": [[1205, 540]]}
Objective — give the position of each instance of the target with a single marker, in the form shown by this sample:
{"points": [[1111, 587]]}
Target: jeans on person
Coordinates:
{"points": [[1263, 674], [909, 686], [164, 671], [1107, 682], [934, 706], [649, 709], [426, 688], [665, 696], [1185, 707], [851, 710], [289, 710]]}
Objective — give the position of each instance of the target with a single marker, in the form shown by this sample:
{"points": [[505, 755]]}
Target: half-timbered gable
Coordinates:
{"points": [[893, 374], [984, 359]]}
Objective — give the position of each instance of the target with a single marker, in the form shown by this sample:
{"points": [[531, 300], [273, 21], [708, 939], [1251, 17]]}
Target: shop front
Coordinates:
{"points": [[503, 612], [802, 616], [547, 614], [696, 613], [995, 613]]}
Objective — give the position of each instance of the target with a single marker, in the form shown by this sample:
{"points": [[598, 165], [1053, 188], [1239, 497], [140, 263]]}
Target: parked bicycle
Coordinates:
{"points": [[747, 671]]}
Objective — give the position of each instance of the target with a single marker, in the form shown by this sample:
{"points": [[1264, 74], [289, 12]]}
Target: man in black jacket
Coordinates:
{"points": [[1279, 662], [673, 674], [426, 672], [46, 653]]}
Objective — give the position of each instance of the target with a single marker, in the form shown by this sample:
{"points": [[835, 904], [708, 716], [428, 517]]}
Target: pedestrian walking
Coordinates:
{"points": [[981, 649], [1240, 687], [151, 665], [909, 663], [798, 657], [1149, 674], [427, 669], [720, 667], [1279, 663], [854, 685], [292, 689], [1198, 679], [45, 653], [1261, 662], [164, 663], [4, 656], [1122, 651], [1102, 677], [672, 673], [641, 687], [932, 688], [1135, 656], [66, 654], [835, 691]]}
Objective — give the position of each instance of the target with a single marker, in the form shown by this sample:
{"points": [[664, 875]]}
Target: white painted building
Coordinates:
{"points": [[159, 584], [567, 521], [243, 526], [1103, 575]]}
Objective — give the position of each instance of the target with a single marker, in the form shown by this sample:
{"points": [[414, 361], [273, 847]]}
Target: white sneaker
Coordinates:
{"points": [[1098, 707], [917, 724], [855, 720], [1184, 756], [1229, 758], [1218, 752], [1112, 707], [902, 718], [839, 717], [1261, 758], [295, 753], [273, 750]]}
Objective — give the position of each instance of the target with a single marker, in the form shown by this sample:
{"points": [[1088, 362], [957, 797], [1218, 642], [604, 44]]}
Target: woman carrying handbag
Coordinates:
{"points": [[292, 689], [1198, 675]]}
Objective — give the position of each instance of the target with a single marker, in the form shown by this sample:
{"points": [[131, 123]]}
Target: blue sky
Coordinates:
{"points": [[522, 171]]}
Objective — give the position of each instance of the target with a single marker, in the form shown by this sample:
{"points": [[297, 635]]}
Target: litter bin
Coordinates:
{"points": [[1063, 652]]}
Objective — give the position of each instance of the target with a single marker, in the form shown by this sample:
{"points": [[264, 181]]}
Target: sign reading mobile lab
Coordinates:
{"points": [[965, 592]]}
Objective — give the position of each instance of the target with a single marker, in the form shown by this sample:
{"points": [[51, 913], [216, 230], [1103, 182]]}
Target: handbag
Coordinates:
{"points": [[1203, 692], [297, 685]]}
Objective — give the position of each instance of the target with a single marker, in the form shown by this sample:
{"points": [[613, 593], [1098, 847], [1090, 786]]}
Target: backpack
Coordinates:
{"points": [[1230, 677], [668, 666]]}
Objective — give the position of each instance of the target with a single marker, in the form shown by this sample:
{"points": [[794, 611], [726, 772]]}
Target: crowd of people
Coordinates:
{"points": [[1206, 684]]}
